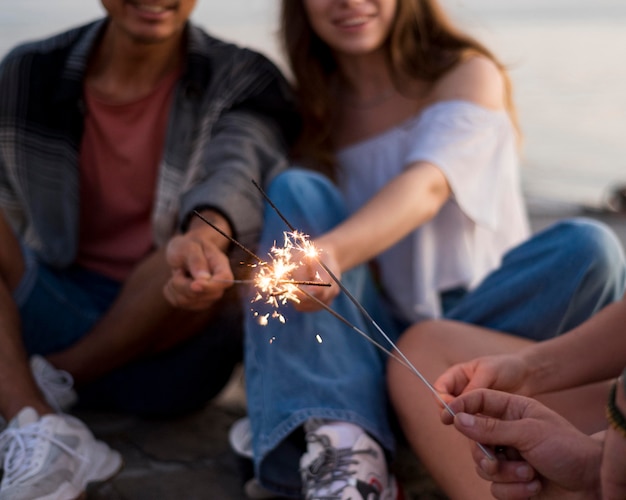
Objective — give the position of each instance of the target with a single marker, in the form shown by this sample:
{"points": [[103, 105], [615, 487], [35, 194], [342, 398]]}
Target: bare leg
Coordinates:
{"points": [[17, 386], [139, 322], [435, 346]]}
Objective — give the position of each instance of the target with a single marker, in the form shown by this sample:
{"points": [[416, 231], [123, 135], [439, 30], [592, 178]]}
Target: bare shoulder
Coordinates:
{"points": [[476, 79]]}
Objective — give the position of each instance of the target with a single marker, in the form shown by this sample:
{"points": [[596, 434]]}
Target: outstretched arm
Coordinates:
{"points": [[597, 346], [414, 198]]}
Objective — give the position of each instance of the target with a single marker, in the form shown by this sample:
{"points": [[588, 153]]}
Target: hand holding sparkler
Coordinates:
{"points": [[311, 269], [540, 454], [201, 270], [502, 372]]}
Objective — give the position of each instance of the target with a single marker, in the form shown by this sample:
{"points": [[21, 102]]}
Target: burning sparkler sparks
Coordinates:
{"points": [[273, 282]]}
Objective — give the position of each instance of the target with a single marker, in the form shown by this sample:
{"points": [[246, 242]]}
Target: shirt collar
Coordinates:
{"points": [[195, 77]]}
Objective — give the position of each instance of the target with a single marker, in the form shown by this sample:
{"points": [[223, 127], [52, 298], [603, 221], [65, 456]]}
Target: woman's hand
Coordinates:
{"points": [[311, 296]]}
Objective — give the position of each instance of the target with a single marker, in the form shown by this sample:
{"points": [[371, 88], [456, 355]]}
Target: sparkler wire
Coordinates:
{"points": [[280, 282], [254, 256], [354, 327], [229, 237], [369, 318]]}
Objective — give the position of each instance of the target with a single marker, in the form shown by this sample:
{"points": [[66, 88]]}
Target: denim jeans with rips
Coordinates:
{"points": [[315, 366]]}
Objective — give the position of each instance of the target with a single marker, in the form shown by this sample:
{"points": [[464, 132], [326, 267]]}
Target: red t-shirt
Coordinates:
{"points": [[120, 154]]}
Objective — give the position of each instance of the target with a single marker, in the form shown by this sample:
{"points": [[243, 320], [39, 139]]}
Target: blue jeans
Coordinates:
{"points": [[58, 307], [546, 286]]}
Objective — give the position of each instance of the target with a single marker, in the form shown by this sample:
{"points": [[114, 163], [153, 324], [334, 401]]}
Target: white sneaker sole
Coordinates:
{"points": [[105, 464]]}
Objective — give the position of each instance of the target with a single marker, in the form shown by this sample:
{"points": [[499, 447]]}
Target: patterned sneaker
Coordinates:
{"points": [[52, 457], [56, 385], [358, 472]]}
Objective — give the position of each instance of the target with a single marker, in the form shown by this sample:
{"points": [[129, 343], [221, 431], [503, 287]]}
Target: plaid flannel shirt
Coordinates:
{"points": [[230, 122]]}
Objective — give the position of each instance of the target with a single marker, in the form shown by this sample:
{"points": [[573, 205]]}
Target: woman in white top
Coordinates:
{"points": [[414, 120]]}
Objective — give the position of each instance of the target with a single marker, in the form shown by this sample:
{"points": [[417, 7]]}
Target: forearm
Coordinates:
{"points": [[592, 352], [408, 201], [242, 148]]}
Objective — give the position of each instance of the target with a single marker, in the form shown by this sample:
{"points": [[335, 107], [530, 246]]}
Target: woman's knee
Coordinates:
{"points": [[307, 198], [424, 345], [423, 342], [300, 184], [418, 335], [597, 249]]}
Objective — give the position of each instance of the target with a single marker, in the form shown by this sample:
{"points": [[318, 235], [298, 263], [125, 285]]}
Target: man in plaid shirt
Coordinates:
{"points": [[111, 135]]}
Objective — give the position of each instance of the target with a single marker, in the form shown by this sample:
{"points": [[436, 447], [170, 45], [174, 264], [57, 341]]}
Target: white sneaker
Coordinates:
{"points": [[52, 457], [56, 385], [358, 472], [240, 438]]}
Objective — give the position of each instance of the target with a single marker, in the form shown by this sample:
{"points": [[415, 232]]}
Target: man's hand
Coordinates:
{"points": [[503, 372], [201, 270], [549, 457]]}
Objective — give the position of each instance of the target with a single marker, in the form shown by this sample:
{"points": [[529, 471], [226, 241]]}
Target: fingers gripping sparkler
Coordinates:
{"points": [[272, 280], [278, 276], [399, 355]]}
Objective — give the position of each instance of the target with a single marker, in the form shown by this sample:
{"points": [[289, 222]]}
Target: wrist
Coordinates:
{"points": [[214, 225], [328, 251], [212, 216], [538, 370]]}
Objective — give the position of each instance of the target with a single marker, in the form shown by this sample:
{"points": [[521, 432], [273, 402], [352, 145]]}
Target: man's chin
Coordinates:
{"points": [[153, 38]]}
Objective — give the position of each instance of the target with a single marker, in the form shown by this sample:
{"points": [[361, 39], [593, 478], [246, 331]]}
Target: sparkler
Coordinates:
{"points": [[399, 356], [278, 290], [229, 237], [269, 279], [280, 282]]}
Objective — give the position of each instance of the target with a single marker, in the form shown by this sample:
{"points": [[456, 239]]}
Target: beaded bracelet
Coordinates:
{"points": [[614, 415]]}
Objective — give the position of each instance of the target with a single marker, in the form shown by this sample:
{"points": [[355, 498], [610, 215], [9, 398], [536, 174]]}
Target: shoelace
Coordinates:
{"points": [[18, 446], [331, 466]]}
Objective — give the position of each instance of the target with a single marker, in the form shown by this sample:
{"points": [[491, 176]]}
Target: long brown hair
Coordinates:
{"points": [[422, 44]]}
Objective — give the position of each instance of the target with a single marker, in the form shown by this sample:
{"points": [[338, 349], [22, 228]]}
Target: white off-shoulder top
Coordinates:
{"points": [[476, 149]]}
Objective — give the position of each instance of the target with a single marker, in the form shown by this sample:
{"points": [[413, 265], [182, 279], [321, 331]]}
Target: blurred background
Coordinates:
{"points": [[566, 58]]}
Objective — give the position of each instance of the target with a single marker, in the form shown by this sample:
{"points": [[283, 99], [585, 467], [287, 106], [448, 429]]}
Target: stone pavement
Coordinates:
{"points": [[186, 458], [189, 458]]}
